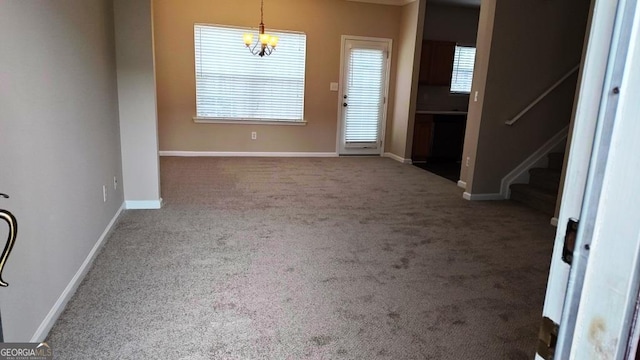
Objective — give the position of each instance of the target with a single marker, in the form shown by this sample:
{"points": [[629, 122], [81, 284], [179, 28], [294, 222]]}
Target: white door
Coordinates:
{"points": [[602, 71], [365, 78]]}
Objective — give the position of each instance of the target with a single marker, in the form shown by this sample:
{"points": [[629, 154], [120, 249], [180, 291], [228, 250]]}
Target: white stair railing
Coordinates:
{"points": [[542, 96]]}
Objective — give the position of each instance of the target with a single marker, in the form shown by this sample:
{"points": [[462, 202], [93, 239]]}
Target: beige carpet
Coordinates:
{"points": [[342, 258]]}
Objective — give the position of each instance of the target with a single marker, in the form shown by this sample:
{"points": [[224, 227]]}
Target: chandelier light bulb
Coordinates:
{"points": [[273, 41], [248, 39], [266, 43]]}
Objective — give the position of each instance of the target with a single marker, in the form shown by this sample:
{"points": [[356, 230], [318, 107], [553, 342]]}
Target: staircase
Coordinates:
{"points": [[542, 190]]}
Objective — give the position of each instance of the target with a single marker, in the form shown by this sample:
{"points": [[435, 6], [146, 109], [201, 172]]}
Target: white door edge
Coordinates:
{"points": [[591, 82]]}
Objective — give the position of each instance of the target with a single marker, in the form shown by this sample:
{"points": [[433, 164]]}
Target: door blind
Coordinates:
{"points": [[231, 83], [364, 97], [463, 62]]}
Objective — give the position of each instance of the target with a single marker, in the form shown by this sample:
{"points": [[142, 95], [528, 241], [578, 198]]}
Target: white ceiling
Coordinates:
{"points": [[474, 3]]}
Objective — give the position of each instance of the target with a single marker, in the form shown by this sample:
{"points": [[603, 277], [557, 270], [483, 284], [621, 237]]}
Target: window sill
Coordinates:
{"points": [[206, 120]]}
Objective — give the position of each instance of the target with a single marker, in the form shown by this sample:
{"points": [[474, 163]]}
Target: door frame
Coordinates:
{"points": [[603, 68], [610, 240], [591, 80], [383, 124]]}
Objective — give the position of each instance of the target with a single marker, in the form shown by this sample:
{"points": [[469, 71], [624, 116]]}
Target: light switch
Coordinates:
{"points": [[333, 86]]}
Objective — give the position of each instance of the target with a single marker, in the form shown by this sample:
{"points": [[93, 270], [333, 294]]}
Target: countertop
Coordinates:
{"points": [[441, 112]]}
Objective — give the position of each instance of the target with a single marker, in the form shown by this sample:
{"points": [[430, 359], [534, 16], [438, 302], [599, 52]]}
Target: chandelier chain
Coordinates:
{"points": [[265, 43]]}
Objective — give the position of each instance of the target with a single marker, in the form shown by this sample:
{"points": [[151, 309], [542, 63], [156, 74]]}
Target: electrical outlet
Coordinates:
{"points": [[104, 193], [254, 135], [475, 97], [115, 183], [468, 158]]}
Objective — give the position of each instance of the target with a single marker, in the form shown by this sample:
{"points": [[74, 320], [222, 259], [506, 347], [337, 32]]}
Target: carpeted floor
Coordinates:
{"points": [[340, 258]]}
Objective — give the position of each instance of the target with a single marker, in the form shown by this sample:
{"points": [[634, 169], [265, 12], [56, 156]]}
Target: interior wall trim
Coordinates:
{"points": [[397, 158], [482, 197], [245, 154], [143, 204], [531, 161], [43, 330]]}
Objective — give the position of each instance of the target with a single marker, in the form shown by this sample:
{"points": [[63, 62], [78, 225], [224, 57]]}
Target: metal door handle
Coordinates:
{"points": [[11, 238]]}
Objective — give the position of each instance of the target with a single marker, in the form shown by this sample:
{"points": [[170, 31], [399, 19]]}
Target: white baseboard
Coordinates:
{"points": [[462, 184], [143, 204], [530, 162], [482, 197], [245, 154], [397, 158], [554, 221], [49, 320]]}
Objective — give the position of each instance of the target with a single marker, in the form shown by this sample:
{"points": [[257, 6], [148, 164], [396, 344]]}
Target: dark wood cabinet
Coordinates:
{"points": [[448, 137], [436, 62], [438, 138], [422, 137]]}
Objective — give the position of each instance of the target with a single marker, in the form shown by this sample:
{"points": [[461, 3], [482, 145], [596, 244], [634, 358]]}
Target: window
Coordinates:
{"points": [[232, 84], [463, 62]]}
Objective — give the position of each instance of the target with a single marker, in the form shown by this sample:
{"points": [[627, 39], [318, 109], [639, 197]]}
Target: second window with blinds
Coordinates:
{"points": [[232, 85], [463, 62]]}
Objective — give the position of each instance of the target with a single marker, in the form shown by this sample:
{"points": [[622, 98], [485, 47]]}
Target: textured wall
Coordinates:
{"points": [[59, 144], [323, 22]]}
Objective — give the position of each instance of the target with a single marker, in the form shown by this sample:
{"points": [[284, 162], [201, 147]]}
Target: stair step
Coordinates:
{"points": [[555, 161], [548, 179], [534, 197]]}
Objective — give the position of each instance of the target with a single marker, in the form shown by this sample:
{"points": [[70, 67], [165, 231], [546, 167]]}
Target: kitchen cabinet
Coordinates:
{"points": [[448, 137], [436, 62], [422, 137], [438, 137]]}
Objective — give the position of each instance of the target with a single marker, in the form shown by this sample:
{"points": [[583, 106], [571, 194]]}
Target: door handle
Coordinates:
{"points": [[11, 238]]}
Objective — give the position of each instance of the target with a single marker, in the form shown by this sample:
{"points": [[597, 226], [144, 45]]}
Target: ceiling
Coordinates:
{"points": [[474, 3]]}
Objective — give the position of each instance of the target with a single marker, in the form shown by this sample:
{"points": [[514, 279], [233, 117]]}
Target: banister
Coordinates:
{"points": [[542, 96]]}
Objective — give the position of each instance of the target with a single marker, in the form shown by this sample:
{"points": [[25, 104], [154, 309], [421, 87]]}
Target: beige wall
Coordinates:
{"points": [[59, 145], [323, 21], [137, 102], [533, 45], [400, 129], [451, 23], [481, 67]]}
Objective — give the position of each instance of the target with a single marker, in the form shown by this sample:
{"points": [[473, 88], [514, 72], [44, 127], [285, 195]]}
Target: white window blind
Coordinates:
{"points": [[463, 62], [233, 84], [365, 85]]}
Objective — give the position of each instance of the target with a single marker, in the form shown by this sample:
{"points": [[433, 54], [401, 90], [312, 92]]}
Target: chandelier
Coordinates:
{"points": [[266, 43]]}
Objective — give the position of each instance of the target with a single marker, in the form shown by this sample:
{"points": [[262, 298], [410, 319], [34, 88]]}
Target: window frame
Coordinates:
{"points": [[244, 120]]}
